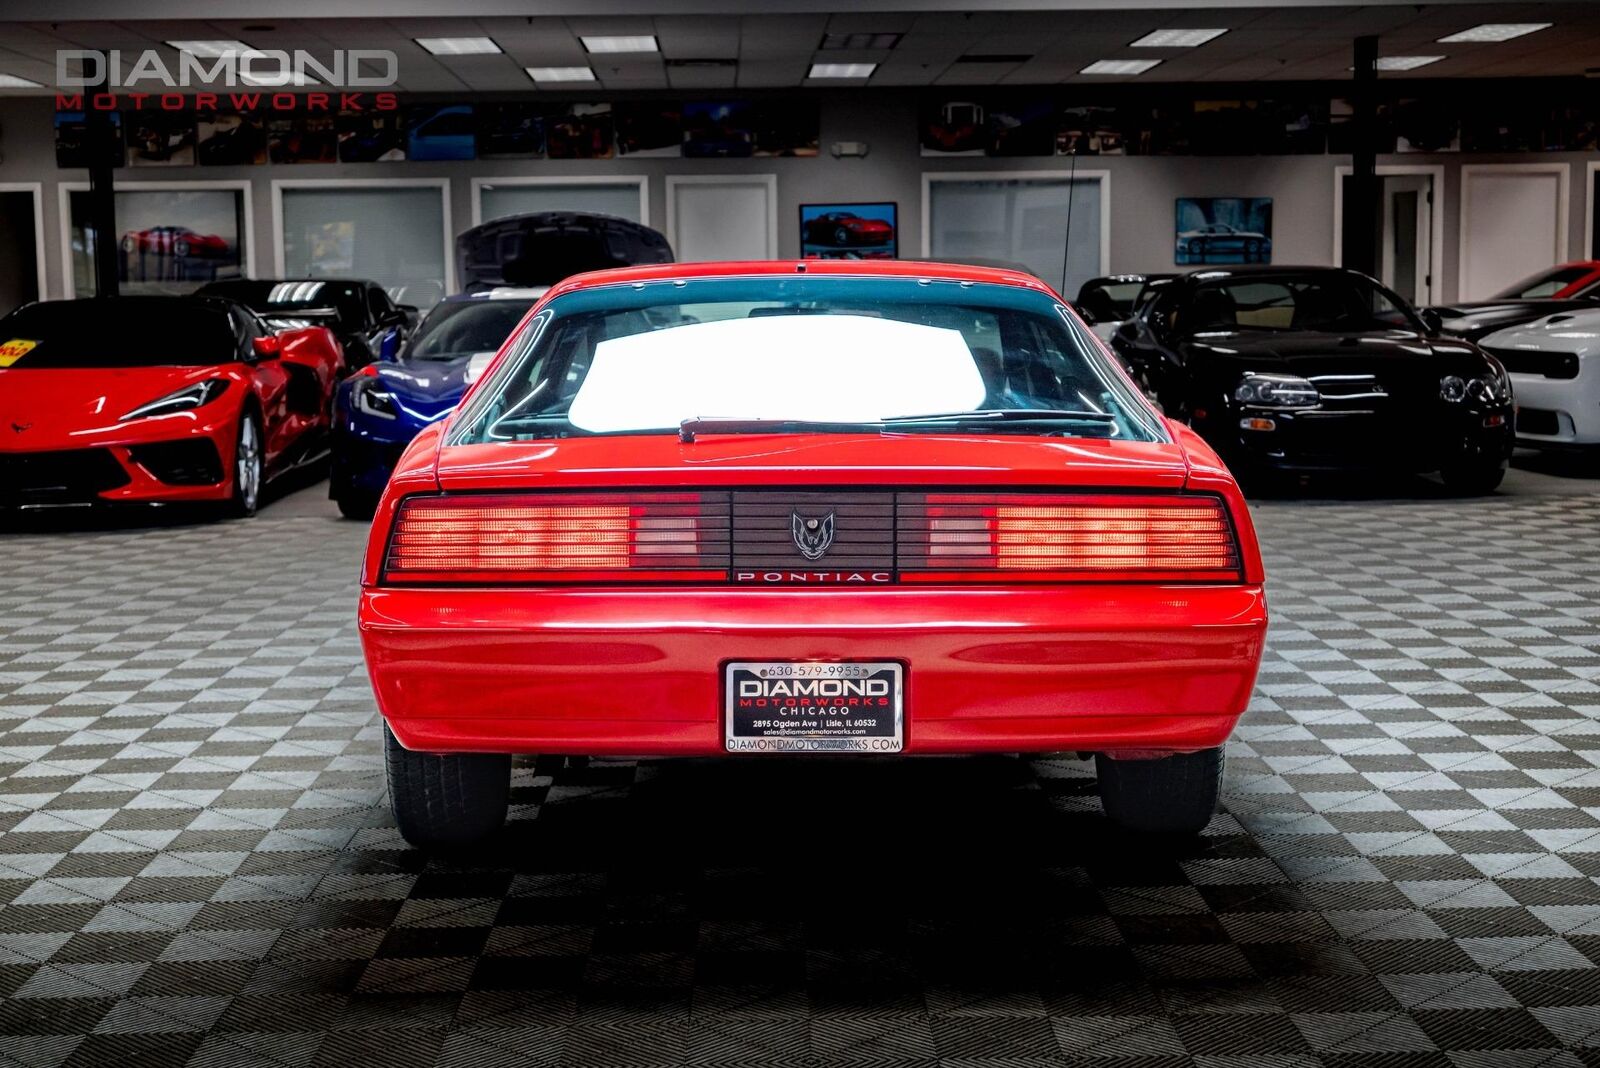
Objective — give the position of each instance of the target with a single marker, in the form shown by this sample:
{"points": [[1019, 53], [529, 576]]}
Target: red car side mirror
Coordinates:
{"points": [[267, 348]]}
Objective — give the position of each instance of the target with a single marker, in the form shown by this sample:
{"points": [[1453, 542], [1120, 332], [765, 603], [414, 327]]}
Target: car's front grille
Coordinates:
{"points": [[70, 476], [1351, 392], [190, 462], [1528, 362]]}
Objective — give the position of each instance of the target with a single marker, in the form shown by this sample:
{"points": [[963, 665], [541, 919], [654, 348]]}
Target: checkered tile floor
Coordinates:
{"points": [[197, 866]]}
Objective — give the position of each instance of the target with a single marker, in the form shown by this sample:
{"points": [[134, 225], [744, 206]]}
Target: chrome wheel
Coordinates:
{"points": [[247, 465]]}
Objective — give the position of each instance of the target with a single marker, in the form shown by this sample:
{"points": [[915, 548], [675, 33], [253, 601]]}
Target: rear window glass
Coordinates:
{"points": [[463, 329], [119, 332], [1544, 284], [836, 354]]}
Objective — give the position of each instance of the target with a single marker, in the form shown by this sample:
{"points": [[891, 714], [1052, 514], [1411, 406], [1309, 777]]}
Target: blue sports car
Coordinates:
{"points": [[378, 410]]}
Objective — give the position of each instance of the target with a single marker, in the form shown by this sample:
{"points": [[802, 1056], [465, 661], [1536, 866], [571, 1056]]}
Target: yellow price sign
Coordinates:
{"points": [[14, 350]]}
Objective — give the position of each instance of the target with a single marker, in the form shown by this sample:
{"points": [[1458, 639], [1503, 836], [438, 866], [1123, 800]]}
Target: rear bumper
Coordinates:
{"points": [[638, 672]]}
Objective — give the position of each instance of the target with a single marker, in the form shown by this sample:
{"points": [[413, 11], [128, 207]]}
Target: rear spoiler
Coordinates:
{"points": [[301, 313]]}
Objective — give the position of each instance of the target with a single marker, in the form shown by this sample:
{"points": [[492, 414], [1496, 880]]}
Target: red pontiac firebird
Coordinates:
{"points": [[747, 509], [115, 400]]}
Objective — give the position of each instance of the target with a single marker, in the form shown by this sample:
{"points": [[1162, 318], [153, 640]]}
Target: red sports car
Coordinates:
{"points": [[826, 507], [844, 228], [177, 241], [156, 399]]}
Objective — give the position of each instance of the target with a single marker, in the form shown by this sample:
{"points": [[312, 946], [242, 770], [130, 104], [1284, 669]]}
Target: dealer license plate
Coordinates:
{"points": [[790, 706]]}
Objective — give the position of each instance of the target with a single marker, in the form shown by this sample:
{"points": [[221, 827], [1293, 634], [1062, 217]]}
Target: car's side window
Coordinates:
{"points": [[378, 304]]}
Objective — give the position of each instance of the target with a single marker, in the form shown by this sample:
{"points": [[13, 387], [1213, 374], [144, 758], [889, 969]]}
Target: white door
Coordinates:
{"points": [[733, 218], [1407, 253], [1513, 224]]}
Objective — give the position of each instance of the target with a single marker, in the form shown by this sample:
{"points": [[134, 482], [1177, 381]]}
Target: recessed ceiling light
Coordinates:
{"points": [[1405, 62], [560, 74], [1120, 66], [833, 42], [275, 75], [1177, 38], [459, 46], [11, 81], [1493, 32], [616, 45], [842, 70], [209, 49]]}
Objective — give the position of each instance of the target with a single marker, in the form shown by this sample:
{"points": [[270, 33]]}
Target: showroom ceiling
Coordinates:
{"points": [[1284, 41]]}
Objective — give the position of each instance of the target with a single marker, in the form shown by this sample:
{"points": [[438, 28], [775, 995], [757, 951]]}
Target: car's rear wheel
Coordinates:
{"points": [[444, 801], [841, 236], [1473, 478], [247, 468], [354, 504], [1168, 795]]}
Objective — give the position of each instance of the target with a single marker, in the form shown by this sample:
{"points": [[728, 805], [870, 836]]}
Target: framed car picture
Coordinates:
{"points": [[849, 231], [171, 237], [1223, 230]]}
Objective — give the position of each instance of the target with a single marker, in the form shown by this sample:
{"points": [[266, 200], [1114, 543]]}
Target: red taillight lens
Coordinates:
{"points": [[1104, 538], [557, 538]]}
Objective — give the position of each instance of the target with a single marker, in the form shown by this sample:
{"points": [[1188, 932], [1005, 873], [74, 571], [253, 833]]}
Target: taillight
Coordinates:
{"points": [[1036, 538], [557, 538]]}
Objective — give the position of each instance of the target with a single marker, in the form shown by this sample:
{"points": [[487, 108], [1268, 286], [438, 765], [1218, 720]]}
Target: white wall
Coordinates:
{"points": [[1143, 188]]}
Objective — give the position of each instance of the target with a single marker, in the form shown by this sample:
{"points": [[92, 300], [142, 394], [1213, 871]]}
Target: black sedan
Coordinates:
{"points": [[367, 323], [1289, 370]]}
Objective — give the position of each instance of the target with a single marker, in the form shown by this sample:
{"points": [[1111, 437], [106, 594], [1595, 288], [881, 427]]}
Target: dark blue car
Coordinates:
{"points": [[379, 410]]}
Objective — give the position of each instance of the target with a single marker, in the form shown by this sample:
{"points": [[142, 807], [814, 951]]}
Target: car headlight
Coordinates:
{"points": [[184, 400], [1277, 391], [1484, 389], [374, 399]]}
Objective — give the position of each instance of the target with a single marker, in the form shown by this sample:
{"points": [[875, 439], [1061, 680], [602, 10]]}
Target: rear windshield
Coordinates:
{"points": [[464, 329], [281, 299], [117, 332], [1544, 284], [817, 354]]}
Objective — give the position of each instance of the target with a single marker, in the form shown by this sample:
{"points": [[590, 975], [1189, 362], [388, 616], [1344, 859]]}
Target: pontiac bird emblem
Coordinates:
{"points": [[811, 536]]}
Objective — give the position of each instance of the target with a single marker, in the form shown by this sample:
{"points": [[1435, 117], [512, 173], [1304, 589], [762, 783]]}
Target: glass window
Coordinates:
{"points": [[169, 241], [122, 332], [498, 201], [843, 354], [1331, 303], [1021, 221], [393, 235], [461, 329]]}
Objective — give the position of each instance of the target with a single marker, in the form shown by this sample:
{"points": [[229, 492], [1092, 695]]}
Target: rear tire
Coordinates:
{"points": [[1169, 795], [445, 801], [1473, 478], [355, 504]]}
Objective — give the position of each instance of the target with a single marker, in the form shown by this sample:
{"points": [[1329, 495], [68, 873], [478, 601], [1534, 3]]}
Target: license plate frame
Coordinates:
{"points": [[810, 708]]}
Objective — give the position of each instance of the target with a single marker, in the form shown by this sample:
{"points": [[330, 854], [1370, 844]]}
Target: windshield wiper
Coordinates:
{"points": [[1003, 415], [713, 425]]}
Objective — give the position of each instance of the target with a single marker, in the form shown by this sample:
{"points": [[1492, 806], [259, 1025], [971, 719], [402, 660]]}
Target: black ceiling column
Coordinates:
{"points": [[1359, 241], [103, 149]]}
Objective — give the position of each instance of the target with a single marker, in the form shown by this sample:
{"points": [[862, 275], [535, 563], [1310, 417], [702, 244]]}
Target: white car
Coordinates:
{"points": [[1554, 365]]}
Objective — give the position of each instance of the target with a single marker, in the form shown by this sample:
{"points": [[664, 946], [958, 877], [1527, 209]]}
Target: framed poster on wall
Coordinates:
{"points": [[1223, 230], [171, 237], [849, 231]]}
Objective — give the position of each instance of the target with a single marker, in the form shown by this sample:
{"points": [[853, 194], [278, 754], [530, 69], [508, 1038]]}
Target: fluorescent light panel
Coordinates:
{"points": [[210, 49], [1405, 62], [620, 45], [1177, 38], [560, 74], [1120, 66], [1495, 32], [11, 81], [459, 46], [842, 70]]}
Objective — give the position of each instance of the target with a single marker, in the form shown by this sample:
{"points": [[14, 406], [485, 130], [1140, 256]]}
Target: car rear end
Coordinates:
{"points": [[816, 591]]}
